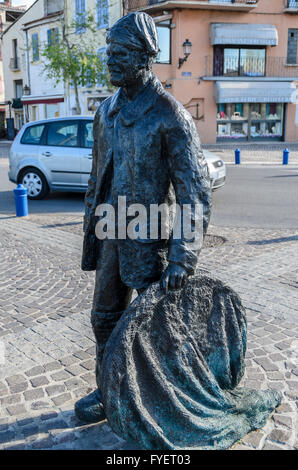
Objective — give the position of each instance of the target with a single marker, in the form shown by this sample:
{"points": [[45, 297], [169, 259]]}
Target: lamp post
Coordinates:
{"points": [[187, 45]]}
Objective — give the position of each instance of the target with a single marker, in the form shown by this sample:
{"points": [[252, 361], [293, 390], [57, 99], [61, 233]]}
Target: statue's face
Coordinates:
{"points": [[123, 64]]}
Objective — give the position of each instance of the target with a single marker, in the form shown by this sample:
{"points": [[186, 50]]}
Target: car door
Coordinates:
{"points": [[86, 150], [60, 152]]}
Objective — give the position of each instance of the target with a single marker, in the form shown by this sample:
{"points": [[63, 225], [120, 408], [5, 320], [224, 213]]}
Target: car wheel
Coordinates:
{"points": [[35, 182]]}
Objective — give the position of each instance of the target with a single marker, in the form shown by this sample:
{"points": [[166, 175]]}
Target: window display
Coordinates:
{"points": [[250, 121]]}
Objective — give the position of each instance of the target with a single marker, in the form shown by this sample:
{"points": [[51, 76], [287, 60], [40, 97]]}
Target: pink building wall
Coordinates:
{"points": [[194, 24]]}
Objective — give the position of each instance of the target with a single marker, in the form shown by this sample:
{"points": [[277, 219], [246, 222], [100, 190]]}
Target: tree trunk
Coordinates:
{"points": [[78, 106]]}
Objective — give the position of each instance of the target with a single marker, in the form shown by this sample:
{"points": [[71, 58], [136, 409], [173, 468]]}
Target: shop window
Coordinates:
{"points": [[35, 47], [250, 121], [102, 13], [239, 61], [164, 39]]}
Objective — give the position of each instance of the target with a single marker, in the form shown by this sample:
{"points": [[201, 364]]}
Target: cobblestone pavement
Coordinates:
{"points": [[45, 301]]}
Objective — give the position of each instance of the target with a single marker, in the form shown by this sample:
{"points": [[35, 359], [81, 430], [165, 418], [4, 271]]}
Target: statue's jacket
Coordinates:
{"points": [[148, 150]]}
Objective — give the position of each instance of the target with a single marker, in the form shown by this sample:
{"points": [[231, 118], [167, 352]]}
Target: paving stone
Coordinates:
{"points": [[55, 389], [52, 366], [284, 408], [253, 438], [7, 436], [37, 370], [60, 399], [65, 437], [266, 364], [15, 410], [283, 420], [279, 435], [30, 430], [15, 379], [275, 375], [43, 443], [25, 421], [89, 365], [34, 394], [62, 375], [10, 399], [39, 405], [19, 387], [50, 415], [293, 385], [39, 381], [269, 446], [81, 355], [69, 360]]}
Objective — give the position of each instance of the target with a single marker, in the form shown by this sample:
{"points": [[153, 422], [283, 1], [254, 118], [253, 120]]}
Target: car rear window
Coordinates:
{"points": [[32, 135], [63, 133]]}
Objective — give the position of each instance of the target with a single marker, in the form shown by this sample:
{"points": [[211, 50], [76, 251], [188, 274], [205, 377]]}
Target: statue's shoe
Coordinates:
{"points": [[90, 408]]}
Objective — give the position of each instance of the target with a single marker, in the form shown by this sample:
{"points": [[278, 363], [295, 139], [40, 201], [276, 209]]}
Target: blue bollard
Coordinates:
{"points": [[237, 156], [21, 200], [286, 157]]}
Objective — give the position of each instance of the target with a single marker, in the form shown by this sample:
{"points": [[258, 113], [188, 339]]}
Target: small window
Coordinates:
{"points": [[88, 134], [32, 135], [35, 47], [53, 36], [102, 13], [80, 16], [63, 134], [164, 39]]}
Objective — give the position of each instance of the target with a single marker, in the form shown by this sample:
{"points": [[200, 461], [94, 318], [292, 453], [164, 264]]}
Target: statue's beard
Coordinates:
{"points": [[128, 77]]}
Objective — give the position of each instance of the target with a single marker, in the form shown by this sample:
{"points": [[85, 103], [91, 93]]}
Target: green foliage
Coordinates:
{"points": [[72, 58]]}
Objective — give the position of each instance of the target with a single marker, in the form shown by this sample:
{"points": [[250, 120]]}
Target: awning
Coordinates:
{"points": [[255, 92], [243, 34], [39, 100]]}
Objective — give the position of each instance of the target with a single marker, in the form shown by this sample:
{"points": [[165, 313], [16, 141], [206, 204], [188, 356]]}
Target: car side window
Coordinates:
{"points": [[32, 135], [88, 134], [63, 134]]}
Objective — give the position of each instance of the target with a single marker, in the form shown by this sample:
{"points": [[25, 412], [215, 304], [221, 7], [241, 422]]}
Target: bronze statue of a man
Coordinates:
{"points": [[146, 148]]}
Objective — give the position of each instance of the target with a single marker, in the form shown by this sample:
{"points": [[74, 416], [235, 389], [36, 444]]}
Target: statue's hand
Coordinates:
{"points": [[173, 277]]}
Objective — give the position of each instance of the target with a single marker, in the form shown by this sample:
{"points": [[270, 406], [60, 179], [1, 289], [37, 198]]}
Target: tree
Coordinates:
{"points": [[72, 58]]}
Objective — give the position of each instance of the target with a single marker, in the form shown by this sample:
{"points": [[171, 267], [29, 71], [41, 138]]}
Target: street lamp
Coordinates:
{"points": [[187, 45], [26, 90]]}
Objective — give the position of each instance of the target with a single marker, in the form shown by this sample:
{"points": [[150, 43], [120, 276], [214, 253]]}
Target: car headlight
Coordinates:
{"points": [[218, 163]]}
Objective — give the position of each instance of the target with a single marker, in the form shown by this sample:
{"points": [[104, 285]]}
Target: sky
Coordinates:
{"points": [[18, 3]]}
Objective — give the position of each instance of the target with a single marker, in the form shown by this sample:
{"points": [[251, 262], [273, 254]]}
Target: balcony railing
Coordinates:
{"points": [[251, 67], [291, 6], [132, 5], [14, 64]]}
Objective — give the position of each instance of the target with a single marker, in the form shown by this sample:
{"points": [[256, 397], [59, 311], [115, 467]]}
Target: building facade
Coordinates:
{"points": [[232, 63], [8, 14], [25, 85], [35, 96]]}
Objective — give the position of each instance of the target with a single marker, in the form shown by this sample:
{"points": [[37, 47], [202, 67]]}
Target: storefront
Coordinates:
{"points": [[252, 111]]}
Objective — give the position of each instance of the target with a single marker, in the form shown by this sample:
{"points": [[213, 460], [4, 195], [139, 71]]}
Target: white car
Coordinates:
{"points": [[217, 170], [56, 155]]}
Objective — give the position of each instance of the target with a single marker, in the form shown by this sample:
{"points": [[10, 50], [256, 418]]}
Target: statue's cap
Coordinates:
{"points": [[136, 31]]}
